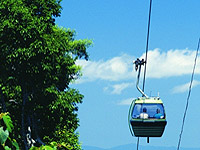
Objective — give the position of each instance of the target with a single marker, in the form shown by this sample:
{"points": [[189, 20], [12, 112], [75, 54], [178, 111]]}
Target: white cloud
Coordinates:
{"points": [[159, 64], [185, 87], [170, 63], [118, 88], [126, 101], [115, 69]]}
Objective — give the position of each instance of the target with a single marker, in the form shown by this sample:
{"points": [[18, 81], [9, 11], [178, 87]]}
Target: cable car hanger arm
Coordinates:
{"points": [[138, 63]]}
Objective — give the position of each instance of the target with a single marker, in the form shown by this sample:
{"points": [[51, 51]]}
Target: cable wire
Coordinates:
{"points": [[147, 46], [138, 140], [188, 97]]}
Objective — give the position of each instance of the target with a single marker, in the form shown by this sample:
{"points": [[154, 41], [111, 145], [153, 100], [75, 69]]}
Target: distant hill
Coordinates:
{"points": [[133, 147]]}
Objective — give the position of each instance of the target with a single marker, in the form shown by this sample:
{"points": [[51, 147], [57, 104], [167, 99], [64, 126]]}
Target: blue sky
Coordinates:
{"points": [[118, 30]]}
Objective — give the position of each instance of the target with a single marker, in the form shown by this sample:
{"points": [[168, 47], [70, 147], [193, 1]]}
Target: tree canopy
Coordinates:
{"points": [[37, 64]]}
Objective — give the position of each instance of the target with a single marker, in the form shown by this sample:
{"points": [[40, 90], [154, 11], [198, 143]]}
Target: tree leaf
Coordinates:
{"points": [[15, 144], [3, 135], [8, 122], [47, 148], [7, 148]]}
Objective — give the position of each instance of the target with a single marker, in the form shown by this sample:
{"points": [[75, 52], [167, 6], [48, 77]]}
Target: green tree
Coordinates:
{"points": [[37, 64]]}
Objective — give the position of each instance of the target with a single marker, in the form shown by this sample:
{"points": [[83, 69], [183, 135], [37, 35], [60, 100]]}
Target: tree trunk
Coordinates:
{"points": [[29, 126], [3, 104], [35, 129], [24, 126], [29, 135]]}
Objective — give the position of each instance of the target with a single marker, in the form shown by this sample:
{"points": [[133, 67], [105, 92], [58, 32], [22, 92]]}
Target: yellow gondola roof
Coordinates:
{"points": [[148, 100]]}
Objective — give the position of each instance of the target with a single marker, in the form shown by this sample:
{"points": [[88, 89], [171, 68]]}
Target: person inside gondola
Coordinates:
{"points": [[144, 114], [158, 115]]}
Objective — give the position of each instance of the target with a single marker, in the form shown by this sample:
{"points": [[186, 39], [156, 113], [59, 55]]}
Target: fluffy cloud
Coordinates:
{"points": [[185, 87], [126, 101], [118, 88], [159, 64], [170, 63], [115, 69]]}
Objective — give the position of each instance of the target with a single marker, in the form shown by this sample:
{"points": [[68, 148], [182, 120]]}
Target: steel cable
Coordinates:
{"points": [[147, 46], [188, 97]]}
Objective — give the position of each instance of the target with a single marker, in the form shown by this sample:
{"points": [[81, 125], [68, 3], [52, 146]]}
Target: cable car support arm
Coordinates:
{"points": [[138, 63]]}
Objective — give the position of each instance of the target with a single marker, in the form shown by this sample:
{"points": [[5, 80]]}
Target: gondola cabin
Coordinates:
{"points": [[147, 117]]}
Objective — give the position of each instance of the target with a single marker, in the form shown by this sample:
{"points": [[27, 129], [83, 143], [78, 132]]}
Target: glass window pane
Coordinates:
{"points": [[136, 111], [155, 111]]}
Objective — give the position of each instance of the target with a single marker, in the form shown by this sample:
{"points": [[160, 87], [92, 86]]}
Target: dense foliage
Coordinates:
{"points": [[7, 141], [37, 64]]}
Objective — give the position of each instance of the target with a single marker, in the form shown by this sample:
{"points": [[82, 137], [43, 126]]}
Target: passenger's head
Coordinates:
{"points": [[158, 110], [144, 109]]}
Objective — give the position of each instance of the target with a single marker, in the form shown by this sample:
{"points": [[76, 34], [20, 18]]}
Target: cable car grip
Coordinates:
{"points": [[138, 63]]}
